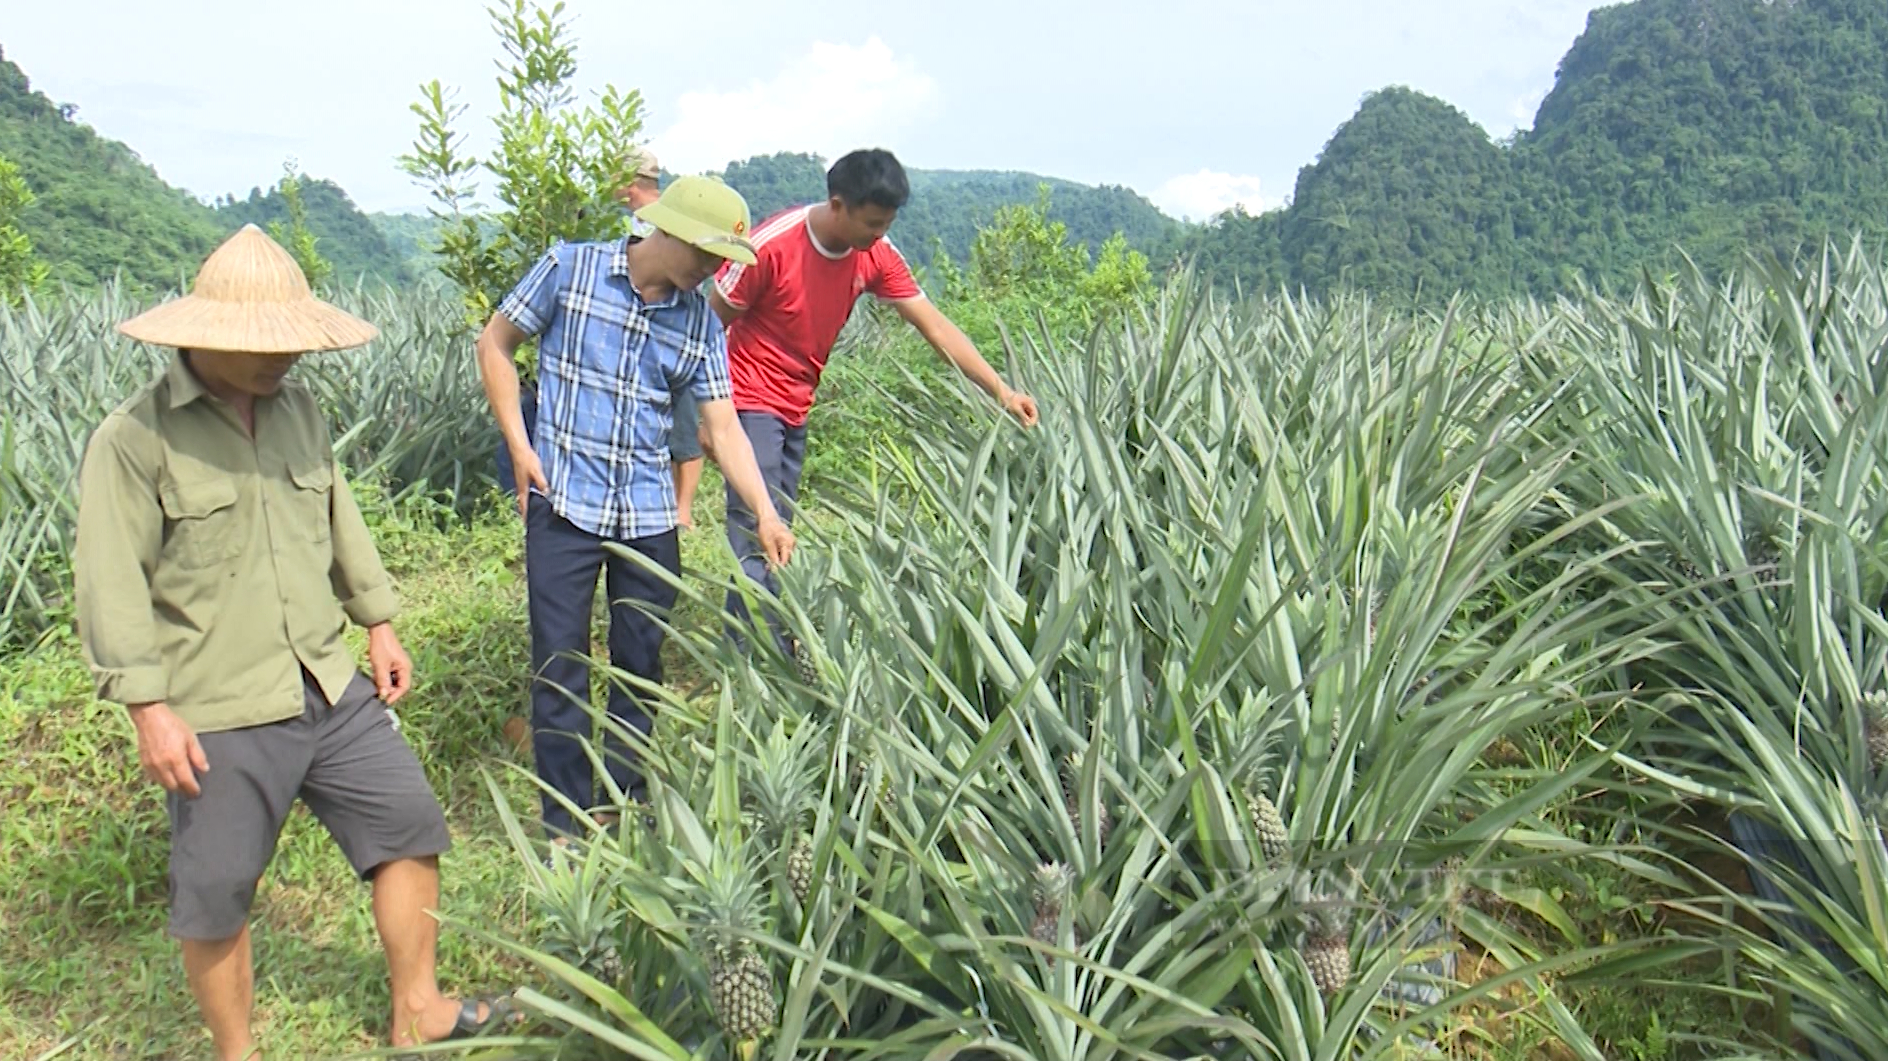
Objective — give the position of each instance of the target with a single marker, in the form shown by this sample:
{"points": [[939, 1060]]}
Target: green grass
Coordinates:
{"points": [[83, 950]]}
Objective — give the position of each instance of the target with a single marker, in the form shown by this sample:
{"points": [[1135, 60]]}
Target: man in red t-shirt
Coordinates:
{"points": [[784, 312]]}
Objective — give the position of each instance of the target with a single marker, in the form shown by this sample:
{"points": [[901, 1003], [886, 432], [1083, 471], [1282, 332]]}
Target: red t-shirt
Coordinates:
{"points": [[796, 297]]}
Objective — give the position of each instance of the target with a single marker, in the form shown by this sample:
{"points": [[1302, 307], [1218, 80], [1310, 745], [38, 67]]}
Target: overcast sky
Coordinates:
{"points": [[1194, 104]]}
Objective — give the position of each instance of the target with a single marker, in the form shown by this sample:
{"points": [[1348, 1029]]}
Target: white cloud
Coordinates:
{"points": [[1521, 112], [1198, 196], [832, 99]]}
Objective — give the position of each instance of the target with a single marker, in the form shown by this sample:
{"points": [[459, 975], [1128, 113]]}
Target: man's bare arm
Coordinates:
{"points": [[954, 346]]}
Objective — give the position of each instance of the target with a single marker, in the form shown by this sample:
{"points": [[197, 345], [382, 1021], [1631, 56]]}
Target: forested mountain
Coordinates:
{"points": [[350, 240], [1719, 126], [945, 210], [947, 206], [1724, 127], [99, 208]]}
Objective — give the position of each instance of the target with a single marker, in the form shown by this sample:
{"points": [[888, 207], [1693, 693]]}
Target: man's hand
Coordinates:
{"points": [[168, 749], [1021, 406], [393, 669], [776, 540], [529, 473]]}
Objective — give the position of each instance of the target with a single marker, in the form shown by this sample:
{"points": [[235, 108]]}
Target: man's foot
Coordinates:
{"points": [[445, 1018]]}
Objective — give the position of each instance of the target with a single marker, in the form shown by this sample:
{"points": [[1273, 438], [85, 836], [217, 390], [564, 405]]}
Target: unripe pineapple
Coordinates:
{"points": [[1461, 891], [741, 992], [1050, 891], [1327, 948], [800, 867], [725, 904], [1274, 841], [804, 663], [886, 796], [1072, 799], [1875, 726]]}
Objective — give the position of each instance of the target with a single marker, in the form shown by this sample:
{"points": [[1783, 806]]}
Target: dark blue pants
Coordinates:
{"points": [[780, 450], [561, 563]]}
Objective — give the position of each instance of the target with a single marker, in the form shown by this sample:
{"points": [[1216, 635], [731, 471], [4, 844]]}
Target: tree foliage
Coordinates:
{"points": [[1024, 264], [20, 270], [295, 236], [555, 165]]}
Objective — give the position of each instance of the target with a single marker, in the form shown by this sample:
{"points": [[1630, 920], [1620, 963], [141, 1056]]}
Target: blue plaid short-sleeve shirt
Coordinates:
{"points": [[609, 368]]}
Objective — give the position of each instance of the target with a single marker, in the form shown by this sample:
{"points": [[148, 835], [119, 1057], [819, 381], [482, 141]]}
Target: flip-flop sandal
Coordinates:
{"points": [[467, 1025], [501, 1011]]}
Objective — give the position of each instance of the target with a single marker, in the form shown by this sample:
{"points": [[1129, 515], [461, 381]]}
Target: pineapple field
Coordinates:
{"points": [[1319, 681]]}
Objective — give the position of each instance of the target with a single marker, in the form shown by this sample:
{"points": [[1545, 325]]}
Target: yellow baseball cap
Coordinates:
{"points": [[703, 212]]}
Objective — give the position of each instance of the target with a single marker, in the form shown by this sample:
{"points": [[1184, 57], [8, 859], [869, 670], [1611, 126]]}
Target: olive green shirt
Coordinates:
{"points": [[211, 567]]}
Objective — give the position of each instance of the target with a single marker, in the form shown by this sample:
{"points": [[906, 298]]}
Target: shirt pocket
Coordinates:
{"points": [[204, 528], [312, 498]]}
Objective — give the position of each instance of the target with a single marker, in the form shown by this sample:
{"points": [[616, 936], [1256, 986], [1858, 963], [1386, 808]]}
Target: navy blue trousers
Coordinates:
{"points": [[780, 450], [561, 565]]}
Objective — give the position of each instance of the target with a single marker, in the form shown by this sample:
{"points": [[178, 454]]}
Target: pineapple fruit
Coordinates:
{"points": [[726, 903], [1327, 947], [741, 992], [800, 867], [1049, 889], [1460, 891], [804, 664], [886, 796], [1875, 727], [1072, 799], [1274, 842]]}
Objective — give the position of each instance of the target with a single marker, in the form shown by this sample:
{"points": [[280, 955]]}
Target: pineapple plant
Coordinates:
{"points": [[581, 920], [783, 786], [1274, 841], [1072, 799], [1326, 950], [1875, 727], [725, 905]]}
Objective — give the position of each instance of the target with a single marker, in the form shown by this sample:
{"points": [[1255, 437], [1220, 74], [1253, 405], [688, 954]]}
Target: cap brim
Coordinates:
{"points": [[696, 234]]}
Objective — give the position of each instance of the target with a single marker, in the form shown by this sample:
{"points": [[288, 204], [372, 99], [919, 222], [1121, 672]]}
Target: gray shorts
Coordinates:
{"points": [[349, 764]]}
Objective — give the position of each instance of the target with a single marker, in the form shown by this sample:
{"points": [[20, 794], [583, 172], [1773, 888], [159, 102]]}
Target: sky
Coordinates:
{"points": [[1195, 105]]}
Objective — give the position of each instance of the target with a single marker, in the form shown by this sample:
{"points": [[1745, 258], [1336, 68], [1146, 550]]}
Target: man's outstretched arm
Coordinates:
{"points": [[954, 346]]}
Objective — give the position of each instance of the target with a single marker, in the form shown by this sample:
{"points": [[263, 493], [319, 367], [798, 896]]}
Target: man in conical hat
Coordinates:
{"points": [[220, 556]]}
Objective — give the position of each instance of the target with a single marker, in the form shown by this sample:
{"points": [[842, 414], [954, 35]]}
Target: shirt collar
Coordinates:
{"points": [[184, 385], [619, 266]]}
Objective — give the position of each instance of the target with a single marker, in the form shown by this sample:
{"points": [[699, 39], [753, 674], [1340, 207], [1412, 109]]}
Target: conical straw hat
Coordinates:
{"points": [[250, 298]]}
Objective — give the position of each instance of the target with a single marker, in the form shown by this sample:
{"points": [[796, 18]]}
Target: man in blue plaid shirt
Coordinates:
{"points": [[623, 330]]}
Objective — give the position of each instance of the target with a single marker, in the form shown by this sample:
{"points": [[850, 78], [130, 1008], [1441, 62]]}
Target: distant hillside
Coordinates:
{"points": [[353, 242], [100, 208], [945, 209], [1723, 126], [947, 206]]}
